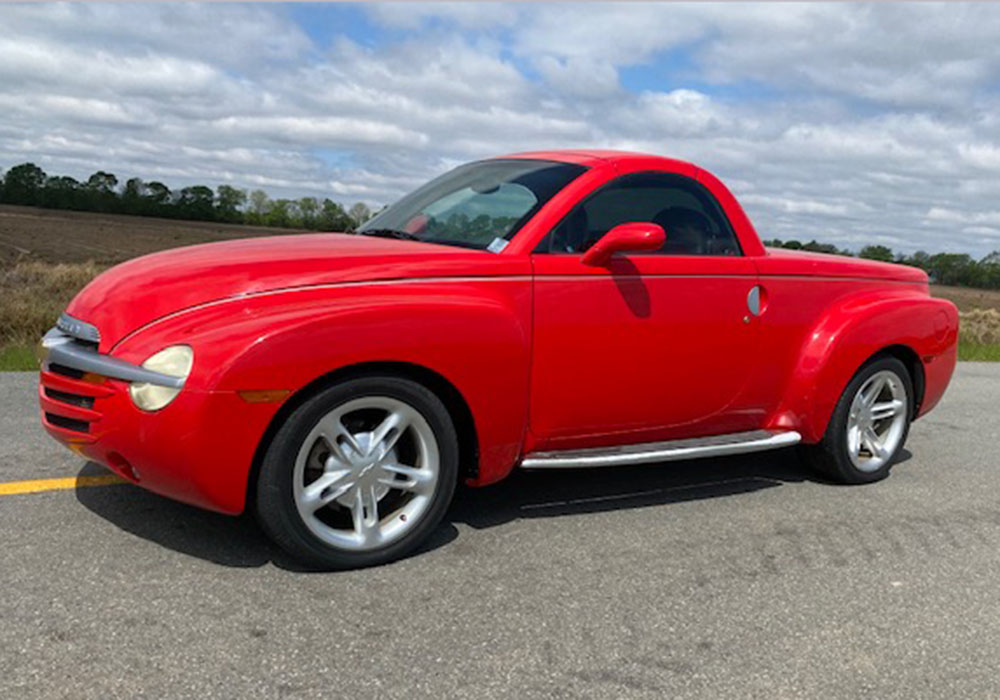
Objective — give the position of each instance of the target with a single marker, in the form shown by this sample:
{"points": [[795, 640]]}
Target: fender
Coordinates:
{"points": [[473, 332], [852, 331]]}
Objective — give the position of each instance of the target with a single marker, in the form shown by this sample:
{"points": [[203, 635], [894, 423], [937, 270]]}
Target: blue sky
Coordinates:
{"points": [[850, 123], [324, 22]]}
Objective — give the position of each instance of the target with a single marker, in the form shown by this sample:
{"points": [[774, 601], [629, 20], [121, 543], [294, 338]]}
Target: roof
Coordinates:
{"points": [[589, 156]]}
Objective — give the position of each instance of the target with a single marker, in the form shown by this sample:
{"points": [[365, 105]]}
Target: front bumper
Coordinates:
{"points": [[198, 450]]}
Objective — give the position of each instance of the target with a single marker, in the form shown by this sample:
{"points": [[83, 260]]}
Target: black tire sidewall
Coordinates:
{"points": [[276, 509], [834, 443]]}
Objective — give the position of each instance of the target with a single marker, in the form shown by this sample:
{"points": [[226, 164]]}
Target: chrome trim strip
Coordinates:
{"points": [[61, 349], [78, 329], [833, 278], [645, 453]]}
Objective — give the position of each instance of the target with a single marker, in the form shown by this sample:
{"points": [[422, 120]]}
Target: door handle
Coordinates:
{"points": [[754, 300]]}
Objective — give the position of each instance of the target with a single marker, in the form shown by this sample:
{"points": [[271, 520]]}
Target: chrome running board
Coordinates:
{"points": [[645, 453]]}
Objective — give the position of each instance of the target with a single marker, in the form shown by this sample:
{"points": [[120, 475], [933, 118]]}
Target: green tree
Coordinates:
{"points": [[157, 199], [132, 197], [877, 252], [950, 268], [294, 214], [359, 213], [229, 203], [100, 192], [817, 247], [23, 184], [196, 202], [990, 266], [991, 259], [279, 214], [102, 182], [332, 217], [919, 259], [61, 192], [308, 210], [260, 205]]}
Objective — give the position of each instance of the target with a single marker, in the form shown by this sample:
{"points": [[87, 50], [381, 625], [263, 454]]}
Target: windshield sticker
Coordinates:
{"points": [[497, 245]]}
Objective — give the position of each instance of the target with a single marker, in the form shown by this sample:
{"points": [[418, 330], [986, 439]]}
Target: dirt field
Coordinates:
{"points": [[43, 235], [968, 299]]}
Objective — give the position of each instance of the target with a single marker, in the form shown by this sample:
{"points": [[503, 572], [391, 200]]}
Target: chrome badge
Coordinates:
{"points": [[78, 329]]}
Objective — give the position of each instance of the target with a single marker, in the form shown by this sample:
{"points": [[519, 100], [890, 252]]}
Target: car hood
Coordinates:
{"points": [[139, 291]]}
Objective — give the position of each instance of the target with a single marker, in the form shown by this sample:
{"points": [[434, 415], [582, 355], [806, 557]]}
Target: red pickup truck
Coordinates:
{"points": [[552, 310]]}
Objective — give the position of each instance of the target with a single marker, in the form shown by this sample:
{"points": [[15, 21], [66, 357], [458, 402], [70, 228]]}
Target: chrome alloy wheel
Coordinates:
{"points": [[877, 421], [366, 473]]}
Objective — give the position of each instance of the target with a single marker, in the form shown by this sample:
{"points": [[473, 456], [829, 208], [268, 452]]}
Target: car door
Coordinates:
{"points": [[651, 346]]}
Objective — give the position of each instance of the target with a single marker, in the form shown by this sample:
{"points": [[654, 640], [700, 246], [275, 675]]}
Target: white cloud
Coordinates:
{"points": [[982, 155], [843, 122], [799, 206], [579, 76], [319, 131]]}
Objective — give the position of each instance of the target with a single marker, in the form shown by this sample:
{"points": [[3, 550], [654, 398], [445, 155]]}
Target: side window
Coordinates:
{"points": [[692, 219]]}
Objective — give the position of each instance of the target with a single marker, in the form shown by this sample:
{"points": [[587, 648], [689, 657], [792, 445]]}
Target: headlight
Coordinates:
{"points": [[175, 361]]}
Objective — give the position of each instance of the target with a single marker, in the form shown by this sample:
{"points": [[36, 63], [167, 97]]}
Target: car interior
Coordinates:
{"points": [[692, 227]]}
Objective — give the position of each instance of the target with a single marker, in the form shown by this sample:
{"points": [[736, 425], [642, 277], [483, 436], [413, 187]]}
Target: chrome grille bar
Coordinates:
{"points": [[59, 348]]}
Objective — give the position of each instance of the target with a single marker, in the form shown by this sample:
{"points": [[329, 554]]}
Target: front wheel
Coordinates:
{"points": [[869, 424], [360, 474]]}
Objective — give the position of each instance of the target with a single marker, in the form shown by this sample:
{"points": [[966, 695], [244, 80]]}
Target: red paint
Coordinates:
{"points": [[546, 351]]}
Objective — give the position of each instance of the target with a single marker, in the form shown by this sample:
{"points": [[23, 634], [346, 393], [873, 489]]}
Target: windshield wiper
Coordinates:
{"points": [[390, 233]]}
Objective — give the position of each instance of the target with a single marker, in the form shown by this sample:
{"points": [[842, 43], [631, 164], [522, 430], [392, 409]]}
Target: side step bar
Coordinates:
{"points": [[645, 453]]}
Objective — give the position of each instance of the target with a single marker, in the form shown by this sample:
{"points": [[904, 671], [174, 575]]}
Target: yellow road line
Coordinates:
{"points": [[11, 488]]}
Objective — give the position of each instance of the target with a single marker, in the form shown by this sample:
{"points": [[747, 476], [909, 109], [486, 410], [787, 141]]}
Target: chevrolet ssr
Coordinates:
{"points": [[561, 309]]}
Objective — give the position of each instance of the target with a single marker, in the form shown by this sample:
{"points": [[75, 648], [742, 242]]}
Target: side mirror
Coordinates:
{"points": [[623, 238]]}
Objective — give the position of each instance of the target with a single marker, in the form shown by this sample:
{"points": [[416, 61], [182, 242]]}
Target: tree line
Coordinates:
{"points": [[28, 184], [958, 269]]}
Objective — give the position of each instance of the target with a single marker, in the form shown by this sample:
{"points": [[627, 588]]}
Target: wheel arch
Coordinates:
{"points": [[850, 335], [911, 360], [448, 393]]}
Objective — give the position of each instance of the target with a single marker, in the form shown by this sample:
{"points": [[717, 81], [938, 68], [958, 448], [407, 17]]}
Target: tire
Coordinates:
{"points": [[847, 453], [343, 486]]}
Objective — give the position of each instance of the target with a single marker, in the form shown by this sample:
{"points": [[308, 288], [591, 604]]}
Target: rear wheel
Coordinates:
{"points": [[869, 424], [360, 474]]}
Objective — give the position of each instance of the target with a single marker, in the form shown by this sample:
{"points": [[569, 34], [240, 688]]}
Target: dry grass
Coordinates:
{"points": [[980, 326], [979, 311], [32, 294]]}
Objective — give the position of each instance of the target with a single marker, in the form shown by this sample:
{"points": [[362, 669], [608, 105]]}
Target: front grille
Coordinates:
{"points": [[68, 395], [72, 399], [79, 426], [65, 371]]}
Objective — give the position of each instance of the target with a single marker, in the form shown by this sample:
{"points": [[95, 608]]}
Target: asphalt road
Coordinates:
{"points": [[737, 577]]}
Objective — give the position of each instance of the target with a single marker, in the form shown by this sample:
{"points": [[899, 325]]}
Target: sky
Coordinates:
{"points": [[849, 123]]}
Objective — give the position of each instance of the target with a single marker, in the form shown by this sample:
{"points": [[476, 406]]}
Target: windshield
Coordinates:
{"points": [[479, 205]]}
